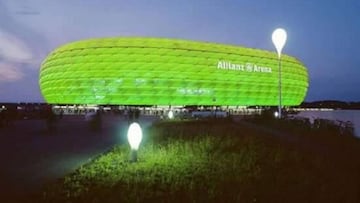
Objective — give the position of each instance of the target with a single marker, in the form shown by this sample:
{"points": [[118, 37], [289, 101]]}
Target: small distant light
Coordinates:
{"points": [[276, 114], [171, 114]]}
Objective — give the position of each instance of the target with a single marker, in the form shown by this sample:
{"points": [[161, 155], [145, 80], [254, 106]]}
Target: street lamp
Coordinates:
{"points": [[279, 39], [134, 136]]}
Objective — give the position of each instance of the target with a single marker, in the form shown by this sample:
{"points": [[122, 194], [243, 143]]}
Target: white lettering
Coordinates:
{"points": [[220, 65], [248, 67]]}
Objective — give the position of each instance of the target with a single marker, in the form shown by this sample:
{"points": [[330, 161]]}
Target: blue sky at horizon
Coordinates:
{"points": [[324, 35]]}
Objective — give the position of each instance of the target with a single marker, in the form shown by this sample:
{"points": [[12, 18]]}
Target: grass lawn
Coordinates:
{"points": [[210, 161]]}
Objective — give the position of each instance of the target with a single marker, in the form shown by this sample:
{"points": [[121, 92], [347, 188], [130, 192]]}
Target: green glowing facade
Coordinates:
{"points": [[157, 71]]}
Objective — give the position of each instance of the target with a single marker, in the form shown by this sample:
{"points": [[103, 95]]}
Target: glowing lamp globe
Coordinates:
{"points": [[171, 114], [279, 37], [134, 135]]}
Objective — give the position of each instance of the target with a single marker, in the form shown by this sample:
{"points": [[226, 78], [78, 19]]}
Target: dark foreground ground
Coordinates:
{"points": [[31, 156], [219, 160], [215, 160]]}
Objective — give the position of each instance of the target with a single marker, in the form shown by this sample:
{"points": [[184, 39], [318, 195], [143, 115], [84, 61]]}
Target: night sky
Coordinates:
{"points": [[324, 35]]}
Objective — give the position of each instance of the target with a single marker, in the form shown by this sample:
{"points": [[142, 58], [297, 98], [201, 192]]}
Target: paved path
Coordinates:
{"points": [[30, 156]]}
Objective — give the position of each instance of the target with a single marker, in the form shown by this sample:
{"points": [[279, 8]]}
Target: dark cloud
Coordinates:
{"points": [[27, 12], [24, 8]]}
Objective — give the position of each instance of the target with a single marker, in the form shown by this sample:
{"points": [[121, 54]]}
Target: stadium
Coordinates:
{"points": [[168, 72]]}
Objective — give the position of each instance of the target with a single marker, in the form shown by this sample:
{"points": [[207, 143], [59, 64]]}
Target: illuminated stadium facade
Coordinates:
{"points": [[157, 71]]}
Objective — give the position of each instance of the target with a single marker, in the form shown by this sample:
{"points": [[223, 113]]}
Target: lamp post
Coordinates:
{"points": [[134, 136], [279, 39]]}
